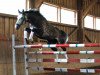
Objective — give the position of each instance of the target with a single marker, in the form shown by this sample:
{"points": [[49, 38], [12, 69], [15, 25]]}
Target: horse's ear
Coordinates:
{"points": [[23, 11], [19, 11]]}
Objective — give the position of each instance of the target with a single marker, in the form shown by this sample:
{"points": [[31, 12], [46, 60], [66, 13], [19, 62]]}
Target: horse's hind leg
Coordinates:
{"points": [[64, 49], [53, 42], [63, 40]]}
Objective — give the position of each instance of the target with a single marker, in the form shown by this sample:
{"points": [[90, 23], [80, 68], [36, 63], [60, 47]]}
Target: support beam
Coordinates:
{"points": [[72, 32], [88, 39], [34, 3], [27, 4], [31, 3], [85, 12], [38, 3], [80, 21]]}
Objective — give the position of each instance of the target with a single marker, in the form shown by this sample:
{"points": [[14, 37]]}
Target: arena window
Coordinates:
{"points": [[68, 16], [89, 22], [11, 6], [49, 11], [98, 23]]}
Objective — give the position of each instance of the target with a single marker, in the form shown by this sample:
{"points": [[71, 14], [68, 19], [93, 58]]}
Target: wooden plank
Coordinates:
{"points": [[73, 31], [7, 30], [11, 26], [1, 25]]}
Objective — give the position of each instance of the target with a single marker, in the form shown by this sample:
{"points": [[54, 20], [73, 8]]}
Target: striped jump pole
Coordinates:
{"points": [[58, 45], [66, 52], [70, 60], [66, 70]]}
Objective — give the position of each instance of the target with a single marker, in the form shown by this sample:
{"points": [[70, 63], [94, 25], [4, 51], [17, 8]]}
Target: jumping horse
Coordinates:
{"points": [[40, 27]]}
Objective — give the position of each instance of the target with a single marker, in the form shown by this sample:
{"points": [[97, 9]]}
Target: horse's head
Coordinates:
{"points": [[20, 19]]}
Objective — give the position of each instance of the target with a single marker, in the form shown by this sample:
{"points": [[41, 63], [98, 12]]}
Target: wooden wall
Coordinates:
{"points": [[7, 23]]}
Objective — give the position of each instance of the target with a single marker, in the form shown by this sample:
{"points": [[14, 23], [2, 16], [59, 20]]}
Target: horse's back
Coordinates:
{"points": [[50, 31]]}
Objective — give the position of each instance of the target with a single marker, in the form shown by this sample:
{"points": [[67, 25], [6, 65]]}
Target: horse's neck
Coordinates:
{"points": [[39, 22]]}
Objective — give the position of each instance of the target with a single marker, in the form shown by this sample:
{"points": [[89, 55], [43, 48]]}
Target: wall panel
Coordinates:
{"points": [[93, 35], [7, 27]]}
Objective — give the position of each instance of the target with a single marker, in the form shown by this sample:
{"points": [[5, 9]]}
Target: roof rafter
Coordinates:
{"points": [[85, 12]]}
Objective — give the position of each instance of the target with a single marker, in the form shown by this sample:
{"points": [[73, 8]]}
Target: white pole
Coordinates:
{"points": [[25, 57], [14, 54]]}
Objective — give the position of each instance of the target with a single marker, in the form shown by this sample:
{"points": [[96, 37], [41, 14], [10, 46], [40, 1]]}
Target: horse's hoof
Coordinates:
{"points": [[27, 41], [58, 62], [32, 42]]}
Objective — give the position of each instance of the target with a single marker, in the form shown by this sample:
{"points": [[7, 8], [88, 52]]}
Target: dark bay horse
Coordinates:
{"points": [[41, 28]]}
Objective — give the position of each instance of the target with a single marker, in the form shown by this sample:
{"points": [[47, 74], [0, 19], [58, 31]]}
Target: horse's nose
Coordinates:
{"points": [[17, 26]]}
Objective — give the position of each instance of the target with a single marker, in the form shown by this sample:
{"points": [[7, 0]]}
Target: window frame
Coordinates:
{"points": [[59, 13], [75, 15]]}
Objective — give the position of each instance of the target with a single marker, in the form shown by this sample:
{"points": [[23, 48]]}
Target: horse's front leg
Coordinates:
{"points": [[26, 32], [31, 36]]}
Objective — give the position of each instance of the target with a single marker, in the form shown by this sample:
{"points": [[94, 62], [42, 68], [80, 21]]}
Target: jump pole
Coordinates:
{"points": [[70, 60], [25, 58], [67, 70], [67, 52], [58, 45], [14, 54]]}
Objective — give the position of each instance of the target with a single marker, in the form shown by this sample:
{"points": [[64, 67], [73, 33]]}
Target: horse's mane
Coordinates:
{"points": [[34, 11], [41, 19]]}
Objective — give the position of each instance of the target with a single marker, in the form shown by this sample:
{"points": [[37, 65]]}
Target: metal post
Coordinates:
{"points": [[14, 55], [25, 57]]}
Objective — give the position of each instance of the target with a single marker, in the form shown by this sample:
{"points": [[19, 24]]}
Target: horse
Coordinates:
{"points": [[41, 28]]}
